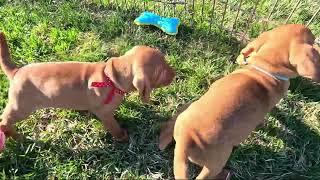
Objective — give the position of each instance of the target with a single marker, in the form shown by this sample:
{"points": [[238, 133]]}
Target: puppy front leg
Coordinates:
{"points": [[10, 116], [9, 130], [110, 123]]}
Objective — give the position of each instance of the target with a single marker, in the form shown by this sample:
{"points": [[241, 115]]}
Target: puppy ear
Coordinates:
{"points": [[256, 44], [166, 134], [252, 48], [248, 50], [306, 58], [142, 84], [241, 58]]}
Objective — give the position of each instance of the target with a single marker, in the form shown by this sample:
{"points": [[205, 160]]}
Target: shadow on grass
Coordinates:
{"points": [[218, 40], [308, 89], [140, 156], [299, 159], [30, 158], [302, 140], [110, 23]]}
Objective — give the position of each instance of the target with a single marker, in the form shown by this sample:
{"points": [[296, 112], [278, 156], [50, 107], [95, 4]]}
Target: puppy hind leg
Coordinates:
{"points": [[205, 172], [197, 156], [215, 163], [180, 162], [167, 129], [166, 134]]}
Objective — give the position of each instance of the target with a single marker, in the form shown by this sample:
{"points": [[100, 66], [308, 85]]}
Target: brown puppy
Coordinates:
{"points": [[97, 87], [207, 130]]}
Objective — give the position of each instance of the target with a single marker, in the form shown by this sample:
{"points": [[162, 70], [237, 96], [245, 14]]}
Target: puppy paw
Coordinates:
{"points": [[9, 131], [123, 137], [18, 137]]}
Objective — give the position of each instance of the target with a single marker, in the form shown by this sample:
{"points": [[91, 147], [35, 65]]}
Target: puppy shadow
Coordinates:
{"points": [[23, 157], [289, 151], [305, 87], [295, 131], [302, 140], [140, 155], [143, 123], [218, 40]]}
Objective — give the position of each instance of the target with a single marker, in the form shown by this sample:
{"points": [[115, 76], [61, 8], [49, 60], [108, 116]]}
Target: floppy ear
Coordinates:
{"points": [[240, 59], [142, 84], [306, 58], [252, 48], [255, 45]]}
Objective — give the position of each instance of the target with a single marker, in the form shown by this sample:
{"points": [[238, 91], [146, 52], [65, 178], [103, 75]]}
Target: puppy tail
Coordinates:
{"points": [[166, 134], [7, 66]]}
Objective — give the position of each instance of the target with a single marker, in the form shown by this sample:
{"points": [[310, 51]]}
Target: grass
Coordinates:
{"points": [[68, 144]]}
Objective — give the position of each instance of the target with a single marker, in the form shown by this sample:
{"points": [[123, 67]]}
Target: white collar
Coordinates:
{"points": [[273, 75]]}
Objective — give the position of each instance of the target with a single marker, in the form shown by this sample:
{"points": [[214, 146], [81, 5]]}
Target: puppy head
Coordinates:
{"points": [[280, 38], [150, 70], [253, 47], [290, 45]]}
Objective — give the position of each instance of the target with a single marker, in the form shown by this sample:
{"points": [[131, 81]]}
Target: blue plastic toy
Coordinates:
{"points": [[167, 25]]}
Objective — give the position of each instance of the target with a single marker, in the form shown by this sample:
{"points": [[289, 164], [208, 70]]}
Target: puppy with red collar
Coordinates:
{"points": [[97, 87]]}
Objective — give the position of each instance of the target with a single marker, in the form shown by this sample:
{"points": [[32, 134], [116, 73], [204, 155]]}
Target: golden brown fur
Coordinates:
{"points": [[230, 110], [68, 85]]}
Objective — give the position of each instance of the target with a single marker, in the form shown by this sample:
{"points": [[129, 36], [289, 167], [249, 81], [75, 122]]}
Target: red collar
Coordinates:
{"points": [[108, 83]]}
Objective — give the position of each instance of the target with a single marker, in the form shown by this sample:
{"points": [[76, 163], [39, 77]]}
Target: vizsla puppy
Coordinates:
{"points": [[207, 130], [97, 87]]}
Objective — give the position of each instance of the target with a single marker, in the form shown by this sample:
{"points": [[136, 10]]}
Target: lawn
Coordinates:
{"points": [[67, 144]]}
